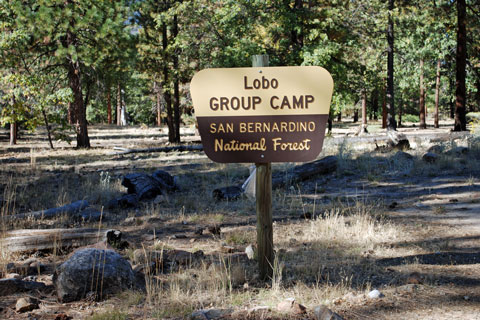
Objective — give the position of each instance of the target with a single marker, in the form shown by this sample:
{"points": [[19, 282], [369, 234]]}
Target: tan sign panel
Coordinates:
{"points": [[274, 114]]}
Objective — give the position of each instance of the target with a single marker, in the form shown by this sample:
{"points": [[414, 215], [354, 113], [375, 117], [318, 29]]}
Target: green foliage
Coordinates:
{"points": [[410, 118], [132, 44]]}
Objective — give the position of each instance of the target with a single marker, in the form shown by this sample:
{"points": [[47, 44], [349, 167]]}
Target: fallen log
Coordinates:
{"points": [[122, 151], [13, 286], [147, 186], [29, 240], [73, 208], [304, 171]]}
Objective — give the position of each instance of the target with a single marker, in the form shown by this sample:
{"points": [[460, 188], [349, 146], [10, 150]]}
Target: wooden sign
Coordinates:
{"points": [[274, 114]]}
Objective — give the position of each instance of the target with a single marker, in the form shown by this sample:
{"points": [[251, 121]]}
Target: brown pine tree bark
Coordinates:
{"points": [[109, 106], [400, 113], [119, 105], [78, 112], [166, 89], [374, 104], [423, 124], [437, 95], [158, 95], [176, 86], [390, 106], [363, 128], [13, 133], [384, 110], [461, 59]]}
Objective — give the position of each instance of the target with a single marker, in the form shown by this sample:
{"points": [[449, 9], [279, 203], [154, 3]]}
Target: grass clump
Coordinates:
{"points": [[110, 315]]}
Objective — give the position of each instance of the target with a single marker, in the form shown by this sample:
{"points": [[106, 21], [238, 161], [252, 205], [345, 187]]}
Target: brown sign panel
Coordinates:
{"points": [[275, 114]]}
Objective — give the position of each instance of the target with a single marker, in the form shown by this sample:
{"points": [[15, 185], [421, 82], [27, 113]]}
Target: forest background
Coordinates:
{"points": [[67, 64]]}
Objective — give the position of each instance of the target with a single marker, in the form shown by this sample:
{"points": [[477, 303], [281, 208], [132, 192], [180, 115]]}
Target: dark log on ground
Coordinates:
{"points": [[13, 286], [305, 171], [122, 151], [74, 208], [28, 240], [148, 186]]}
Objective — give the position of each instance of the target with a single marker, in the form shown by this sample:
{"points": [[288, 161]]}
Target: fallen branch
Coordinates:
{"points": [[28, 240], [160, 149], [69, 209]]}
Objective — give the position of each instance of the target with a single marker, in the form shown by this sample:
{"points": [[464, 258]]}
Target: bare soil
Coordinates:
{"points": [[429, 268]]}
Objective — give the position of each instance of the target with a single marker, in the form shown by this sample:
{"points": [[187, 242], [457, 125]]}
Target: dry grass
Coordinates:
{"points": [[317, 261]]}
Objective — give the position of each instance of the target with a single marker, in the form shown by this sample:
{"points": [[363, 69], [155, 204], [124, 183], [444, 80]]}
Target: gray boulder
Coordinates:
{"points": [[102, 272]]}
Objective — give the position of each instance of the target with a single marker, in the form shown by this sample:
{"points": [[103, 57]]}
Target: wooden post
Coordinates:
{"points": [[263, 193]]}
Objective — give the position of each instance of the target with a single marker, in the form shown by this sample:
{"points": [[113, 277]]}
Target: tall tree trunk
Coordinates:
{"points": [[384, 110], [330, 125], [109, 105], [400, 113], [391, 123], [339, 116], [165, 86], [158, 95], [437, 95], [119, 105], [78, 111], [461, 59], [355, 115], [477, 95], [47, 125], [176, 85], [13, 133], [363, 128], [375, 104], [423, 124]]}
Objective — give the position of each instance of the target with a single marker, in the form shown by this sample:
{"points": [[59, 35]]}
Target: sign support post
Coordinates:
{"points": [[263, 194]]}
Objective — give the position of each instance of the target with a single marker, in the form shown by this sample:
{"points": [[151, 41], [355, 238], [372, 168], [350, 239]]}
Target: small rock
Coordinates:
{"points": [[430, 157], [375, 294], [291, 306], [26, 304], [323, 313], [250, 252]]}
